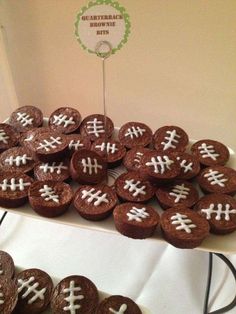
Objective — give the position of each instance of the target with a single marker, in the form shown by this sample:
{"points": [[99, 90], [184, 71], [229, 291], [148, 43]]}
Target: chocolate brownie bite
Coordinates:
{"points": [[14, 189], [133, 134], [65, 120], [76, 294], [95, 202], [132, 187], [18, 159], [7, 266], [210, 153], [8, 295], [8, 137], [170, 139], [217, 179], [34, 291], [112, 151], [177, 193], [118, 304], [220, 211], [87, 167], [184, 228], [29, 136], [77, 142], [189, 166], [96, 126], [137, 221], [54, 171], [25, 118], [132, 159], [50, 198]]}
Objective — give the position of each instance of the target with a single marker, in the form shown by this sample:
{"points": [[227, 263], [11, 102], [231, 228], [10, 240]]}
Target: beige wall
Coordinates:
{"points": [[178, 67]]}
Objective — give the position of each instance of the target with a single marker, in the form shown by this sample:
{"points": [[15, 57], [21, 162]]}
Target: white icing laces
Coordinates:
{"points": [[122, 309], [63, 119], [72, 298], [179, 192], [2, 301], [137, 214], [138, 157], [95, 127], [24, 118], [75, 144], [54, 167], [48, 145], [94, 196], [215, 177], [18, 160], [186, 166], [160, 164], [110, 148], [49, 194], [13, 186], [222, 210], [132, 186], [183, 222], [208, 151], [1, 270], [171, 139], [135, 132], [91, 166], [31, 288], [3, 136]]}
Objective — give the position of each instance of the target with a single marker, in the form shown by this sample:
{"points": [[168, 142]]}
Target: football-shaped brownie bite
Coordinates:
{"points": [[220, 211], [76, 294], [25, 118], [170, 139], [177, 193], [54, 171], [132, 159], [7, 267], [210, 153], [95, 202], [132, 187], [96, 126], [65, 120], [14, 189], [8, 137], [50, 198], [77, 142], [135, 220], [189, 166], [184, 228], [118, 304], [133, 134], [217, 179], [8, 295], [87, 167], [34, 291]]}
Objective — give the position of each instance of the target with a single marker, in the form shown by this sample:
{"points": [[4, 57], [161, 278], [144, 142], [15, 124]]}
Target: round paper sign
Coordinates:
{"points": [[102, 27]]}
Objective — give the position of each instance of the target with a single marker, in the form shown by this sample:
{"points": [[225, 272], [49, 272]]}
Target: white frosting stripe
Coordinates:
{"points": [[31, 288], [132, 186], [72, 298], [182, 222]]}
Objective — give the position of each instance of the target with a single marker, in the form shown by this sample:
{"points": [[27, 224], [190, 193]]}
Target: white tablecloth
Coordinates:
{"points": [[164, 279]]}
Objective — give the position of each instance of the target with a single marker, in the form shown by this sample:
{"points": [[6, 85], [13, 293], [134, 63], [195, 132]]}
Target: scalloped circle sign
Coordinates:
{"points": [[102, 27]]}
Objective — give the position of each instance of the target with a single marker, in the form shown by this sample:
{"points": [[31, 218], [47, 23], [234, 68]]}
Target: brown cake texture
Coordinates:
{"points": [[25, 118], [8, 137], [95, 202], [77, 142], [170, 139], [65, 120], [29, 136], [132, 187], [7, 267], [135, 220], [54, 171], [112, 151], [14, 189], [210, 152], [87, 167], [96, 126], [50, 198], [132, 134], [34, 291], [76, 294], [220, 212], [119, 305], [178, 193], [184, 228], [132, 159], [8, 295], [217, 179], [189, 166], [18, 159]]}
